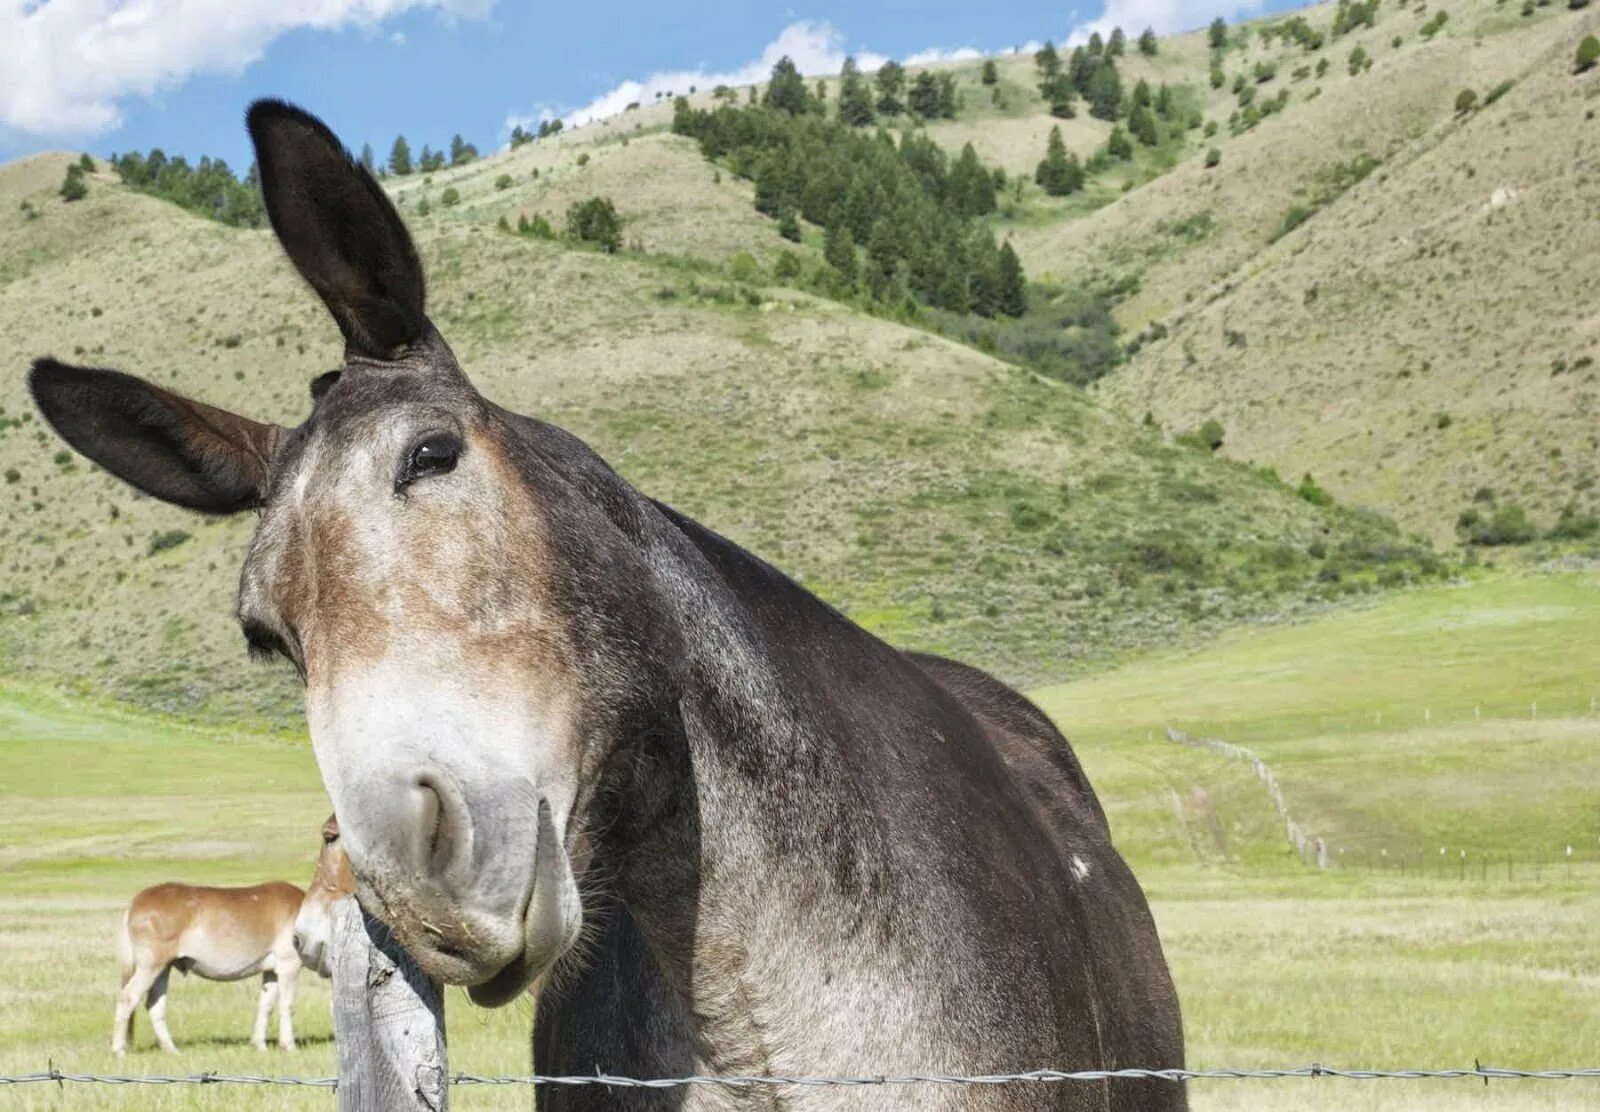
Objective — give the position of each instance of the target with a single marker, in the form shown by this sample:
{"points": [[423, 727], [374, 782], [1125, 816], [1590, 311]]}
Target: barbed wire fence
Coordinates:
{"points": [[1042, 1076]]}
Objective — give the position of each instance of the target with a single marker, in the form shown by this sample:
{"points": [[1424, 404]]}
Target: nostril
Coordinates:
{"points": [[435, 825]]}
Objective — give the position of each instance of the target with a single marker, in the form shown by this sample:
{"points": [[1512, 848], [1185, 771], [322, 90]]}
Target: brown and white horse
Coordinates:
{"points": [[547, 706], [228, 934]]}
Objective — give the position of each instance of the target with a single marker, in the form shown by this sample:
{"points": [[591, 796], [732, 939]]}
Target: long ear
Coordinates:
{"points": [[178, 450], [339, 230]]}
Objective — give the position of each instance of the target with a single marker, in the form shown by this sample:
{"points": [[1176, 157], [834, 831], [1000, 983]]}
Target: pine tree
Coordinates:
{"points": [[1117, 44], [789, 225], [990, 74], [1059, 94], [400, 157], [1013, 299], [883, 252], [1141, 94], [1097, 45], [1105, 91], [838, 247], [947, 96], [73, 187], [461, 151], [1147, 43], [855, 100], [1059, 173], [1143, 126], [891, 82], [925, 96], [1118, 145], [1217, 34], [367, 159], [971, 186], [787, 90], [1080, 69], [1048, 61], [1164, 101]]}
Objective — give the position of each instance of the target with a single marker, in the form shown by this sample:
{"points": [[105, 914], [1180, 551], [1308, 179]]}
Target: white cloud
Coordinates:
{"points": [[816, 48], [66, 65], [933, 55], [1166, 16]]}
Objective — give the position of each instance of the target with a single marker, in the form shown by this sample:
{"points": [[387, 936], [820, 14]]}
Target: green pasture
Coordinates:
{"points": [[1277, 964]]}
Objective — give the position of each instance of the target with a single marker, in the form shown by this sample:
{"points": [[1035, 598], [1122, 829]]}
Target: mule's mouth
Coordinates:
{"points": [[496, 957]]}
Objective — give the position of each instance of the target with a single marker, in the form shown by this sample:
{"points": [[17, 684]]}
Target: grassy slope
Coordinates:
{"points": [[944, 498], [1276, 964], [1451, 281]]}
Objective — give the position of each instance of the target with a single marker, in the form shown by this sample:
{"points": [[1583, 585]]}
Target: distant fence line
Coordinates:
{"points": [[1316, 851], [1440, 714], [1313, 851]]}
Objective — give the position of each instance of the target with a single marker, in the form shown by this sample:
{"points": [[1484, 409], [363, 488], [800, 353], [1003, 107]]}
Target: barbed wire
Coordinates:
{"points": [[1314, 1070]]}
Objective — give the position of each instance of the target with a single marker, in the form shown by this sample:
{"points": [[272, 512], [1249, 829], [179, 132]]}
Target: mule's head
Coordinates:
{"points": [[461, 589], [331, 881]]}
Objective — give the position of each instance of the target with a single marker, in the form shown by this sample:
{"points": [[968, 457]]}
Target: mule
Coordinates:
{"points": [[560, 720], [226, 934]]}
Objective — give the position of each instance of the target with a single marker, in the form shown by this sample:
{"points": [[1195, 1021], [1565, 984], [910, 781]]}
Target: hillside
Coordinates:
{"points": [[1429, 329], [943, 498], [1370, 285]]}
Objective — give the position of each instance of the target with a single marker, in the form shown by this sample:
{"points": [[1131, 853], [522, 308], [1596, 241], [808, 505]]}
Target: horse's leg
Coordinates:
{"points": [[132, 991], [156, 1001], [288, 977], [269, 995]]}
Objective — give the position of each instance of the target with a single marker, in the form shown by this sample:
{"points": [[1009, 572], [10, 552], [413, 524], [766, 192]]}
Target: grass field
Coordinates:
{"points": [[1276, 964]]}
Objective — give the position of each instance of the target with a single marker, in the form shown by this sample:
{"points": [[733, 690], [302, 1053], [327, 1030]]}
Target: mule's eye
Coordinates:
{"points": [[434, 454]]}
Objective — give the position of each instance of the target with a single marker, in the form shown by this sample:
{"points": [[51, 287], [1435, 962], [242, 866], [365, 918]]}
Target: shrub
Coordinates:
{"points": [[423, 207], [1213, 157], [172, 538], [1296, 216], [451, 196], [1497, 525], [787, 267], [596, 221], [1312, 492], [503, 181], [1588, 54], [1209, 436], [1573, 525], [1465, 100], [583, 159], [1496, 93]]}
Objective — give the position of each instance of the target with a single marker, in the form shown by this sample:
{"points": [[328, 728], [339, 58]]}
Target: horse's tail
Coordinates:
{"points": [[125, 950]]}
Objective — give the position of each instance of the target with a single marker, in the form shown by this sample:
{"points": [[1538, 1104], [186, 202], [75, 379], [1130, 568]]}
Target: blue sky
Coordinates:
{"points": [[104, 75]]}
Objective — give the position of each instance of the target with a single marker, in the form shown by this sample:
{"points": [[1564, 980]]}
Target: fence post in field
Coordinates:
{"points": [[388, 1021]]}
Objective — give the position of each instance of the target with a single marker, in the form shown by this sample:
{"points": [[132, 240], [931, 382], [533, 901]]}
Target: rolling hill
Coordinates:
{"points": [[943, 498]]}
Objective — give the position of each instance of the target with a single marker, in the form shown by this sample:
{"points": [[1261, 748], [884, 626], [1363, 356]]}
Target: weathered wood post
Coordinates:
{"points": [[388, 1021]]}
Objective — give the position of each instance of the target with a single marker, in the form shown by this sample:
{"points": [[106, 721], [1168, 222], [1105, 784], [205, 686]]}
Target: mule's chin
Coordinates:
{"points": [[504, 987]]}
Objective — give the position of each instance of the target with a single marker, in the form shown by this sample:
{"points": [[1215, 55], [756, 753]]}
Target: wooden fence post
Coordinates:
{"points": [[388, 1021]]}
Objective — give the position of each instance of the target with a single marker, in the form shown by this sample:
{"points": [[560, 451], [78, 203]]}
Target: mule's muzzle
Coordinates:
{"points": [[476, 885]]}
